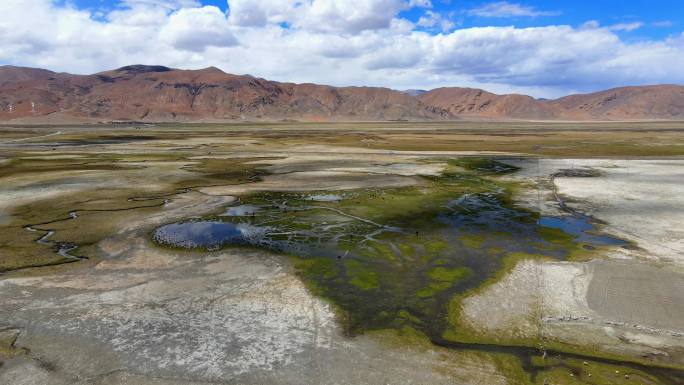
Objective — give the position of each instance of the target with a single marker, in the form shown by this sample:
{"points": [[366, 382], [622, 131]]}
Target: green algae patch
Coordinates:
{"points": [[435, 246], [483, 165], [472, 241], [442, 278], [361, 277], [8, 348], [555, 236], [322, 268], [576, 372], [443, 274], [511, 367], [383, 251]]}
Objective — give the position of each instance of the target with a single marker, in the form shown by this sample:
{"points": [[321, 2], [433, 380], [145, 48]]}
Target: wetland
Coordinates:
{"points": [[283, 253]]}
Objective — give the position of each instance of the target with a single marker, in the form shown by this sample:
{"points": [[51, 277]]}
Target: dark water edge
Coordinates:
{"points": [[525, 354]]}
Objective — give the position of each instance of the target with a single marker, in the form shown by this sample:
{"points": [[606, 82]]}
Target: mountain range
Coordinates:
{"points": [[162, 94]]}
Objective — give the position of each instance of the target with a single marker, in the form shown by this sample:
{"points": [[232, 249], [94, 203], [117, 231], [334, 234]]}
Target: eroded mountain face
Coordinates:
{"points": [[162, 94]]}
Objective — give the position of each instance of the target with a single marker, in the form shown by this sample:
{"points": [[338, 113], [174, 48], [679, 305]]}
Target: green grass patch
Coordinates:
{"points": [[360, 276]]}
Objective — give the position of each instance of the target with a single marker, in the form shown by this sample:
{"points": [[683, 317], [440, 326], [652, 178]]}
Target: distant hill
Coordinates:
{"points": [[471, 102], [162, 94], [414, 92], [645, 102], [14, 74]]}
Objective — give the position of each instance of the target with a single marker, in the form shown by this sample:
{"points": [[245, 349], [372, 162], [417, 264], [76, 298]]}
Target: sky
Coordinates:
{"points": [[540, 48]]}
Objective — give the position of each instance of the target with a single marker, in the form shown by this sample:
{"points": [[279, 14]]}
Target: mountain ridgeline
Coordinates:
{"points": [[161, 94]]}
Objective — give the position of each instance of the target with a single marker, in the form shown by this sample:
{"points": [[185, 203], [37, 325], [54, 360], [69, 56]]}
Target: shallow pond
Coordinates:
{"points": [[208, 234], [581, 227], [241, 210]]}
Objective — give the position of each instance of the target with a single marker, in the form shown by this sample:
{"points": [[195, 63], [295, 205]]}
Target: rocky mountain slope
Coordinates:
{"points": [[160, 94]]}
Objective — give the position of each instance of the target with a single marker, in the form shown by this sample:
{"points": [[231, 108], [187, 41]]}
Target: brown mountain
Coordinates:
{"points": [[471, 102], [155, 93], [160, 94], [625, 103], [13, 74]]}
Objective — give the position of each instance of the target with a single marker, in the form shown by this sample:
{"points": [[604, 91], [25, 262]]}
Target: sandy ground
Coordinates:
{"points": [[629, 301]]}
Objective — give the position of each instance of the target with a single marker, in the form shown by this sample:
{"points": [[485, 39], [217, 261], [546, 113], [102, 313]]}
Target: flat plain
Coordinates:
{"points": [[345, 253]]}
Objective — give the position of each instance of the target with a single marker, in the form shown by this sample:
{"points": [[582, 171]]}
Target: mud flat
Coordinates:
{"points": [[638, 294]]}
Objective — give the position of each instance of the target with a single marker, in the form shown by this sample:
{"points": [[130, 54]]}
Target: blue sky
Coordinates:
{"points": [[660, 18], [542, 48]]}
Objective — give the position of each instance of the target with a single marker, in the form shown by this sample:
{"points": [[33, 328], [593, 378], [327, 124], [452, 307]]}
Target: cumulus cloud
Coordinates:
{"points": [[333, 42], [321, 15], [420, 3], [506, 9], [195, 29], [432, 20], [168, 4], [626, 26]]}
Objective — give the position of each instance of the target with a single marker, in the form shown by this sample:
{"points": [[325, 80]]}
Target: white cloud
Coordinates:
{"points": [[195, 29], [248, 13], [167, 4], [628, 27], [506, 9], [420, 3], [434, 20], [334, 44], [335, 16], [591, 24], [625, 27], [347, 16]]}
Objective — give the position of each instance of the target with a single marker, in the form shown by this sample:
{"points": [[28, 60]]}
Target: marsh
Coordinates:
{"points": [[288, 253]]}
